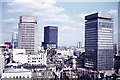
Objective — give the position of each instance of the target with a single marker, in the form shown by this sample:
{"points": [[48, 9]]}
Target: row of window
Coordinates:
{"points": [[27, 40], [27, 34], [34, 61], [18, 77], [28, 43], [27, 29]]}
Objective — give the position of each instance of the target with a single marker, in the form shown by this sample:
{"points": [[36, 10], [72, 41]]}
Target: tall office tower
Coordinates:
{"points": [[119, 27], [28, 33], [117, 57], [99, 41], [50, 37], [15, 39]]}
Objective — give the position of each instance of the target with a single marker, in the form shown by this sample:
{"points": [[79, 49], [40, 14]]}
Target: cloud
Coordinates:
{"points": [[11, 20], [48, 13], [15, 27], [114, 12], [68, 28], [46, 6]]}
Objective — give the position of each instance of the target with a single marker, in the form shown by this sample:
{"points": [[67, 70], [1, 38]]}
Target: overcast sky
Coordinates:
{"points": [[68, 16]]}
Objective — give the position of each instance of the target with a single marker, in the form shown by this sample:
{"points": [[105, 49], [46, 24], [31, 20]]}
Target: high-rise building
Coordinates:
{"points": [[50, 37], [15, 39], [28, 33], [117, 57], [99, 41], [119, 27]]}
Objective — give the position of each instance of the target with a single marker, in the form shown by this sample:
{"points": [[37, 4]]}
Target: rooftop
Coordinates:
{"points": [[99, 15], [15, 70]]}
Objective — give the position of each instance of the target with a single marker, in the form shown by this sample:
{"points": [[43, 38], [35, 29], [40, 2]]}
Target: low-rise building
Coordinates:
{"points": [[2, 63], [20, 56], [45, 74], [65, 53], [16, 73], [36, 59]]}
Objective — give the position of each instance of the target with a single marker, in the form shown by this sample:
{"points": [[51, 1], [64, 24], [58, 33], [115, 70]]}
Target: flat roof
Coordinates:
{"points": [[15, 70], [99, 15]]}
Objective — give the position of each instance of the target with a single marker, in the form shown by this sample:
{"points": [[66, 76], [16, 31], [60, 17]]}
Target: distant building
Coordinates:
{"points": [[50, 37], [4, 47], [9, 44], [15, 39], [99, 41], [79, 45], [28, 33]]}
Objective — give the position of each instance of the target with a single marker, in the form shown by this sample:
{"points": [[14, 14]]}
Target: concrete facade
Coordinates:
{"points": [[28, 33]]}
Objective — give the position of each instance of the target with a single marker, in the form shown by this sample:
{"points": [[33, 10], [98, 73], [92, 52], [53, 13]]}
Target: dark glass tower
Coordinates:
{"points": [[50, 37], [99, 41]]}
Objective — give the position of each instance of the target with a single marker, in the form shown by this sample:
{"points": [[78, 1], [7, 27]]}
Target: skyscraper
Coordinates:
{"points": [[50, 37], [15, 39], [117, 57], [28, 33], [99, 41], [119, 28]]}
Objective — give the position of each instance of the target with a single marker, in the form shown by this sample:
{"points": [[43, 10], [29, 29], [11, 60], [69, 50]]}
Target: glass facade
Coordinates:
{"points": [[51, 36], [99, 42], [15, 39]]}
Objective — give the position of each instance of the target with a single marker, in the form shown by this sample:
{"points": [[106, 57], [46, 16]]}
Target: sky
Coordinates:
{"points": [[67, 16]]}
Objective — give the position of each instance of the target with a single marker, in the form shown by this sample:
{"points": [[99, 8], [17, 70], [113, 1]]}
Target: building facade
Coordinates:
{"points": [[2, 62], [32, 59], [16, 73], [38, 59], [15, 39], [117, 58], [50, 37], [115, 49], [116, 62], [28, 33], [99, 41], [119, 28]]}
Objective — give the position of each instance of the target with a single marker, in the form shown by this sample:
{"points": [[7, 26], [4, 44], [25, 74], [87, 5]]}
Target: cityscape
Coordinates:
{"points": [[96, 57]]}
